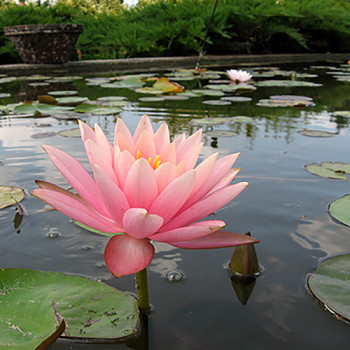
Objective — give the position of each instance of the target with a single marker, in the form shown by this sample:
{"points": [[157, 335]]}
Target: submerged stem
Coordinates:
{"points": [[142, 291]]}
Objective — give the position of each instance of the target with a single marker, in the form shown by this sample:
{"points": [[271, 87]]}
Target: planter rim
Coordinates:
{"points": [[42, 28]]}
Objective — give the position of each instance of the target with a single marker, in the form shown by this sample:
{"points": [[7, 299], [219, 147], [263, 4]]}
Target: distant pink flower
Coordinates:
{"points": [[146, 188], [239, 76]]}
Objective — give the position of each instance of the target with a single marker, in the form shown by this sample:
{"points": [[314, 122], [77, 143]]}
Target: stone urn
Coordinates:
{"points": [[44, 43]]}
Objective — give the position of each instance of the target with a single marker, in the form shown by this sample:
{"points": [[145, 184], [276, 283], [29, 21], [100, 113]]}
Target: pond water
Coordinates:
{"points": [[285, 206]]}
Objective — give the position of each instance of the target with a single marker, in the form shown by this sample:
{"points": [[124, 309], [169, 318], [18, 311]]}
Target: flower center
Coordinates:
{"points": [[154, 164]]}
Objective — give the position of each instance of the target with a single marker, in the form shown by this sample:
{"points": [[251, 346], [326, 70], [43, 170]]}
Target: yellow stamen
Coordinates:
{"points": [[154, 164], [138, 155]]}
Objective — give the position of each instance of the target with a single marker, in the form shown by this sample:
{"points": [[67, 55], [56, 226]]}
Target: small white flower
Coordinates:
{"points": [[239, 76]]}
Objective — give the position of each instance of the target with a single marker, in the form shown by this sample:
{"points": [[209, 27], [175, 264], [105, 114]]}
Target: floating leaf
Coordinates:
{"points": [[31, 300], [51, 109], [167, 87], [96, 109], [316, 133], [236, 98], [47, 99], [286, 83], [325, 172], [217, 102], [205, 92], [151, 99], [220, 133], [339, 209], [345, 114], [71, 100], [42, 135], [211, 121], [111, 98], [63, 93], [25, 108], [10, 195], [4, 94], [242, 119], [329, 283], [286, 101], [70, 132], [176, 97]]}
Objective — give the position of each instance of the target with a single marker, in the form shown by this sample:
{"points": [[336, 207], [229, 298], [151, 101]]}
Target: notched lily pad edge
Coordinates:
{"points": [[329, 211], [318, 301]]}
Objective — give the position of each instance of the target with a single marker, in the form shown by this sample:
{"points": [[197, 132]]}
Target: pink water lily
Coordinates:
{"points": [[147, 188], [238, 76]]}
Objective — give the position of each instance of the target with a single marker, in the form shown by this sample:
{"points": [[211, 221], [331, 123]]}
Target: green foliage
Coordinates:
{"points": [[177, 27]]}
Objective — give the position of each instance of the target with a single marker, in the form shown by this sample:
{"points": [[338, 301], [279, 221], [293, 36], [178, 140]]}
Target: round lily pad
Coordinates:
{"points": [[10, 195], [71, 100], [63, 93], [236, 98], [220, 133], [205, 92], [111, 98], [151, 99], [330, 170], [316, 133], [345, 114], [329, 283], [32, 302], [211, 121], [286, 83], [4, 94], [217, 102], [242, 119], [96, 109], [70, 132], [339, 209], [43, 135]]}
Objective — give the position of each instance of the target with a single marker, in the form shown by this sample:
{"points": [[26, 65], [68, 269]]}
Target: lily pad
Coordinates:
{"points": [[163, 86], [217, 102], [220, 133], [151, 99], [331, 172], [205, 92], [339, 209], [4, 94], [71, 100], [286, 83], [211, 121], [111, 98], [43, 135], [345, 114], [75, 132], [242, 119], [32, 300], [10, 195], [236, 98], [96, 109], [316, 133], [329, 283], [63, 93]]}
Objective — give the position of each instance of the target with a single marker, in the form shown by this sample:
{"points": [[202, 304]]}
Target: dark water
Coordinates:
{"points": [[284, 206]]}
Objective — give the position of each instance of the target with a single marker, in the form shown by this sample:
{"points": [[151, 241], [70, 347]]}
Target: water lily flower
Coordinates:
{"points": [[145, 188], [239, 76]]}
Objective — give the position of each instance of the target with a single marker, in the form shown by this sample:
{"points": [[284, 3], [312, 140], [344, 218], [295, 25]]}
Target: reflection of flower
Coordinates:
{"points": [[239, 76], [147, 188]]}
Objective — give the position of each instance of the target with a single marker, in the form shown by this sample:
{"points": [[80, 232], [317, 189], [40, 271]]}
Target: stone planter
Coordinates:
{"points": [[44, 43]]}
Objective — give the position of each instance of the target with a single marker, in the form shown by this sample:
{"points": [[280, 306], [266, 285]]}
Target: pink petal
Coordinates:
{"points": [[183, 147], [121, 128], [86, 132], [161, 138], [124, 144], [141, 185], [179, 139], [113, 197], [139, 224], [206, 206], [220, 170], [145, 144], [226, 180], [169, 153], [77, 210], [173, 196], [194, 231], [144, 124], [191, 156], [165, 174], [75, 174], [215, 240], [101, 158], [103, 144], [126, 160], [125, 255]]}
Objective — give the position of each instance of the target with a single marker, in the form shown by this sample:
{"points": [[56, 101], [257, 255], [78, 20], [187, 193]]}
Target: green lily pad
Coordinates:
{"points": [[217, 102], [211, 121], [96, 109], [329, 283], [96, 231], [71, 100], [325, 171], [242, 119], [10, 195], [32, 300], [25, 108], [286, 83], [63, 93], [236, 98], [75, 132], [339, 209], [345, 114], [4, 94], [205, 92], [128, 83], [316, 133], [111, 98], [151, 99], [43, 135], [45, 109], [38, 84], [220, 133]]}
